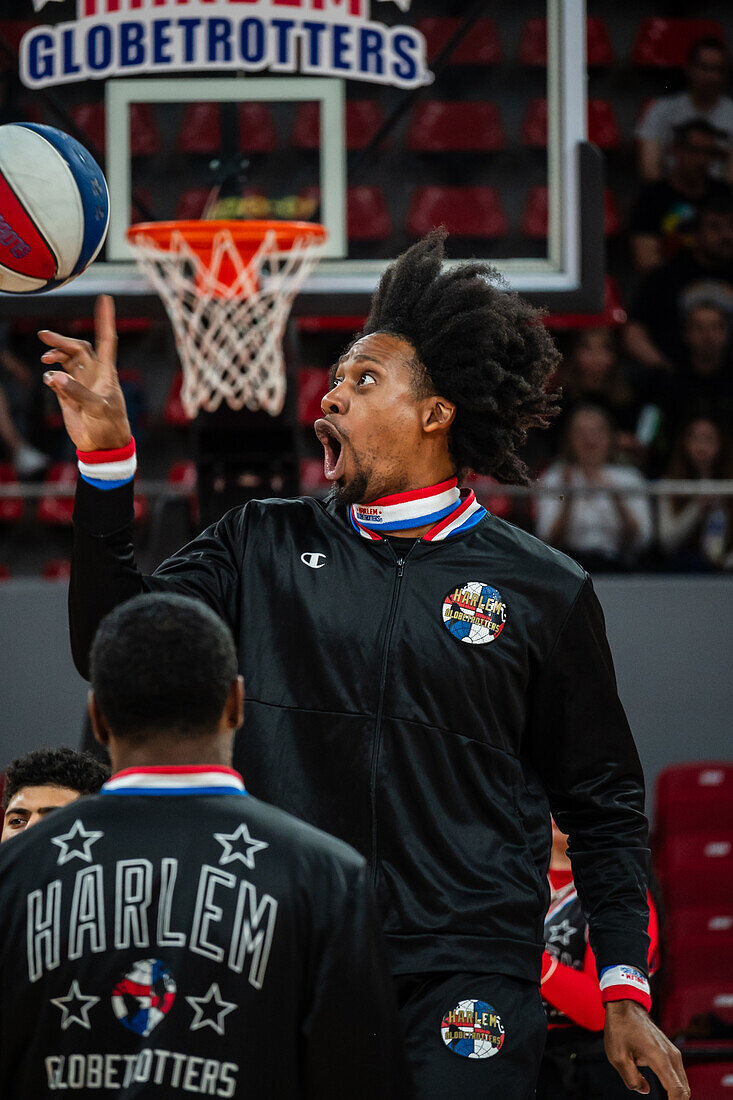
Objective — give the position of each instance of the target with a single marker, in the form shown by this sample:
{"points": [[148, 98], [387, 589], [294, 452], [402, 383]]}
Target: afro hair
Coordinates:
{"points": [[480, 346]]}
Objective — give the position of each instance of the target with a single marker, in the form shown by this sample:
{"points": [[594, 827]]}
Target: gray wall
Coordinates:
{"points": [[671, 638]]}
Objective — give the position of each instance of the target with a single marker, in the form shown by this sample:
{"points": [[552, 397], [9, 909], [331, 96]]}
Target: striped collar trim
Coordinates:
{"points": [[176, 779], [445, 506]]}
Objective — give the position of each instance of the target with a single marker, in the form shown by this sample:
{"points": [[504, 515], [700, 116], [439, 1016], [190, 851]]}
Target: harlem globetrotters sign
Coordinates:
{"points": [[112, 38]]}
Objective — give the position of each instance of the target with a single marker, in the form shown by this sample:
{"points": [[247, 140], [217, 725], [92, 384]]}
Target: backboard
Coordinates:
{"points": [[379, 118]]}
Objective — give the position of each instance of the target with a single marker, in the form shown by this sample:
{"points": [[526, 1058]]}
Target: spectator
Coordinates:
{"points": [[666, 209], [703, 273], [696, 533], [592, 373], [603, 530], [574, 1066], [44, 780], [707, 77]]}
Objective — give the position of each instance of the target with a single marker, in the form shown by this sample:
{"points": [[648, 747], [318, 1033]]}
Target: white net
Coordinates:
{"points": [[229, 330]]}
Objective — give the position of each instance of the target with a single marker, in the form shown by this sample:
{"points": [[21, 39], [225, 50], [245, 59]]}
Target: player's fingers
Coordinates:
{"points": [[630, 1074], [81, 350], [67, 389], [67, 362], [671, 1073], [104, 329]]}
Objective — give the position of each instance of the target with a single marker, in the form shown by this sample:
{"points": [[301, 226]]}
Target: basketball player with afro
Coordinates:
{"points": [[426, 681]]}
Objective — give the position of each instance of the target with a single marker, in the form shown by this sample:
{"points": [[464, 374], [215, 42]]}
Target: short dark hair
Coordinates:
{"points": [[479, 345], [162, 663], [706, 42], [59, 767], [719, 204]]}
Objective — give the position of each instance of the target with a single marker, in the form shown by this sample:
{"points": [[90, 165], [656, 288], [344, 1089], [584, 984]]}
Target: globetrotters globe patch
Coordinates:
{"points": [[473, 1029], [144, 996], [474, 612]]}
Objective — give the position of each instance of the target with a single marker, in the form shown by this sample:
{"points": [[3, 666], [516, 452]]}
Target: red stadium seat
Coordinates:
{"points": [[144, 133], [480, 46], [463, 126], [174, 414], [702, 1000], [200, 130], [56, 569], [367, 214], [691, 796], [711, 1080], [699, 924], [145, 196], [465, 211], [4, 576], [665, 43], [694, 866], [363, 119], [11, 508], [257, 132], [603, 128], [533, 43], [56, 511], [191, 203], [312, 384], [535, 216]]}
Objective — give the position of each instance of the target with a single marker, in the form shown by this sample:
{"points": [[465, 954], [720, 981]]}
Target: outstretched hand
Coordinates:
{"points": [[87, 386], [632, 1039]]}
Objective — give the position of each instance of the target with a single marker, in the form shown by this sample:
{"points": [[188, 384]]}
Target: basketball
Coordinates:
{"points": [[54, 208]]}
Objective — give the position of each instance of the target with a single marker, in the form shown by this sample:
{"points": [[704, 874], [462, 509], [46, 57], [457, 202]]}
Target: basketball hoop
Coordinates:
{"points": [[228, 287]]}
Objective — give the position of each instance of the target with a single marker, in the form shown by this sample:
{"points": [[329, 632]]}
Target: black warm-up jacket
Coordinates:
{"points": [[437, 759], [256, 934]]}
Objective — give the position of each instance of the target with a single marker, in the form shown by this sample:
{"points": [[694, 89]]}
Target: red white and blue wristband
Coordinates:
{"points": [[625, 983], [108, 469]]}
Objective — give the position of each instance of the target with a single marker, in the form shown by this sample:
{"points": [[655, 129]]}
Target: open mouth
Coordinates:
{"points": [[333, 456]]}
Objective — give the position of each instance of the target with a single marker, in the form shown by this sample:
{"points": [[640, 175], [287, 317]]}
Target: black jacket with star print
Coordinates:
{"points": [[167, 946], [429, 710]]}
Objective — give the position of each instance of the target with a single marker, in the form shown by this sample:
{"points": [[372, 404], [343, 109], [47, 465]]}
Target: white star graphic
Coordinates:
{"points": [[561, 933], [216, 1008], [77, 842], [403, 5], [247, 849], [75, 1007]]}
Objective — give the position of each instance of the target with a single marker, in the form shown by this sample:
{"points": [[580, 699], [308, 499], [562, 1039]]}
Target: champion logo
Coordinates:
{"points": [[312, 560]]}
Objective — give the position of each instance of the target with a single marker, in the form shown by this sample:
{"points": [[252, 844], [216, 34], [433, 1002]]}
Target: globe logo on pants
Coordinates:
{"points": [[473, 1029]]}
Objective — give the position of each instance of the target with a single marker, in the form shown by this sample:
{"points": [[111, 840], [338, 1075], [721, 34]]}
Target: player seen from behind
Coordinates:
{"points": [[423, 677], [172, 936]]}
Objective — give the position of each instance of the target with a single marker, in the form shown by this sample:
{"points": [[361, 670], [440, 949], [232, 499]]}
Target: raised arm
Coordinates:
{"points": [[103, 569]]}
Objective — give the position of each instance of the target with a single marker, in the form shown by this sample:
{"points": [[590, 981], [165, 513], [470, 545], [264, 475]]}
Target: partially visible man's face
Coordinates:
{"points": [[30, 805], [706, 335], [371, 427]]}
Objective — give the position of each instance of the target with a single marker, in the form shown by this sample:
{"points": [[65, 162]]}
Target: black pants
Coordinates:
{"points": [[575, 1067], [474, 1035]]}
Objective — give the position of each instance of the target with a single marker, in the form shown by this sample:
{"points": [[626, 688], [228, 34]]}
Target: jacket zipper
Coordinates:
{"points": [[400, 563]]}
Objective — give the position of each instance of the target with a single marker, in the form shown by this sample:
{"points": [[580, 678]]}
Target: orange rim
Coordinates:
{"points": [[248, 235]]}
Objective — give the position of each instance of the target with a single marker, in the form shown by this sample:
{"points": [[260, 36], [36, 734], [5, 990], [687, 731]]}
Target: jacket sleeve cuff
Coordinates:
{"points": [[103, 512], [625, 983]]}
